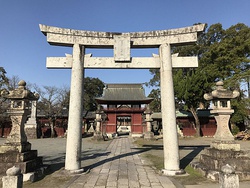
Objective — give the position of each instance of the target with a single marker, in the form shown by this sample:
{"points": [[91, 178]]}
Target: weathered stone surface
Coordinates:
{"points": [[162, 39], [240, 164], [31, 125], [213, 160], [13, 171], [17, 156], [26, 166], [214, 174], [228, 178], [13, 181], [109, 62], [15, 147], [225, 145], [74, 133], [227, 169], [170, 140], [222, 110], [148, 135], [224, 154], [16, 151], [31, 133], [67, 37]]}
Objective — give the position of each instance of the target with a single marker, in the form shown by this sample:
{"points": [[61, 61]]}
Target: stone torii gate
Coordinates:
{"points": [[122, 43]]}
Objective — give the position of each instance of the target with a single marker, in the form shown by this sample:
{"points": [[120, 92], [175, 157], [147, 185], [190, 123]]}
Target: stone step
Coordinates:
{"points": [[214, 174], [27, 166], [225, 154], [16, 157], [213, 163]]}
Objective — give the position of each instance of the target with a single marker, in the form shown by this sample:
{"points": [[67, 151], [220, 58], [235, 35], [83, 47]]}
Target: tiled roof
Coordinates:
{"points": [[201, 113], [123, 92]]}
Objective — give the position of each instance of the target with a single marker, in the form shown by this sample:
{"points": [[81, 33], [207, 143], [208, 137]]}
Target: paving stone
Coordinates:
{"points": [[123, 186], [124, 176], [92, 180], [144, 183], [88, 186], [156, 184], [120, 169], [153, 180], [76, 185], [113, 177], [133, 184], [82, 179], [112, 184], [123, 181], [104, 171]]}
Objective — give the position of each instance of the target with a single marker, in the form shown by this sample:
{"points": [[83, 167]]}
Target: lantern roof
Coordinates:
{"points": [[221, 93], [20, 93]]}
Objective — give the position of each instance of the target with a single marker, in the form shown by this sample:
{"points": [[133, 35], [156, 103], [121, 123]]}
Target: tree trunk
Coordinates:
{"points": [[197, 122]]}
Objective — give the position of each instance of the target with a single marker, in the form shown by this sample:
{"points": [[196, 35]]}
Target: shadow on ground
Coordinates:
{"points": [[99, 163], [195, 150]]}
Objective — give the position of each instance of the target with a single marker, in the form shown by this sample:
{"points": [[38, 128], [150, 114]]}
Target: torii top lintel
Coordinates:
{"points": [[68, 37]]}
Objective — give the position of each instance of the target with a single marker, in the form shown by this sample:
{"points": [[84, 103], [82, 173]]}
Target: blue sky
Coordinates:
{"points": [[23, 48]]}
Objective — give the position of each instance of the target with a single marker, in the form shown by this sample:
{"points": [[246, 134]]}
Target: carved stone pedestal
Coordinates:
{"points": [[30, 127], [149, 135], [213, 160], [97, 136], [225, 145], [98, 129], [31, 132], [27, 161]]}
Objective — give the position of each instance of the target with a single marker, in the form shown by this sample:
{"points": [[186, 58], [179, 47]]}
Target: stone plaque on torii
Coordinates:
{"points": [[122, 43]]}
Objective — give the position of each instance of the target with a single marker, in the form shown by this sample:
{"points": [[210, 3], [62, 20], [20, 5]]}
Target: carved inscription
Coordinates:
{"points": [[122, 48]]}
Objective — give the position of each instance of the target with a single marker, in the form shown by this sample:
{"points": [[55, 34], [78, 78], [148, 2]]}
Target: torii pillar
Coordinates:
{"points": [[74, 134], [170, 136], [122, 43]]}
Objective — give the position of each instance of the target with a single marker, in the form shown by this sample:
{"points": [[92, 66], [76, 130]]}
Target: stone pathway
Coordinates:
{"points": [[122, 167]]}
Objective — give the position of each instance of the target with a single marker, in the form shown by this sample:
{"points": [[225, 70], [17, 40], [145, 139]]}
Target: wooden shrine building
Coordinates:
{"points": [[124, 106]]}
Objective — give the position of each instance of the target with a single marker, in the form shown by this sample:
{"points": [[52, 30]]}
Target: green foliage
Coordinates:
{"points": [[223, 55], [3, 85], [235, 130], [3, 79], [93, 87], [240, 106], [155, 105]]}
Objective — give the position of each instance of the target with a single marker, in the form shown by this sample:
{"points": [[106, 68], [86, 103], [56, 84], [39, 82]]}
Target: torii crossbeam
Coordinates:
{"points": [[122, 43]]}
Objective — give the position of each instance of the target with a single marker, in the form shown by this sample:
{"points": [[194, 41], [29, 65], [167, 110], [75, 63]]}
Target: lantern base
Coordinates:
{"points": [[225, 145], [18, 147]]}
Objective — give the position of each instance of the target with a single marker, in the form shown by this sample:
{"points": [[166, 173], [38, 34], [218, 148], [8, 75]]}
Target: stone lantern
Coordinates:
{"points": [[98, 131], [148, 135], [223, 151], [222, 110], [16, 144]]}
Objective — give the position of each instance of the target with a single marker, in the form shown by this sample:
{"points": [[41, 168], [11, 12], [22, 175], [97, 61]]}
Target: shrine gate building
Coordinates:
{"points": [[124, 106]]}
